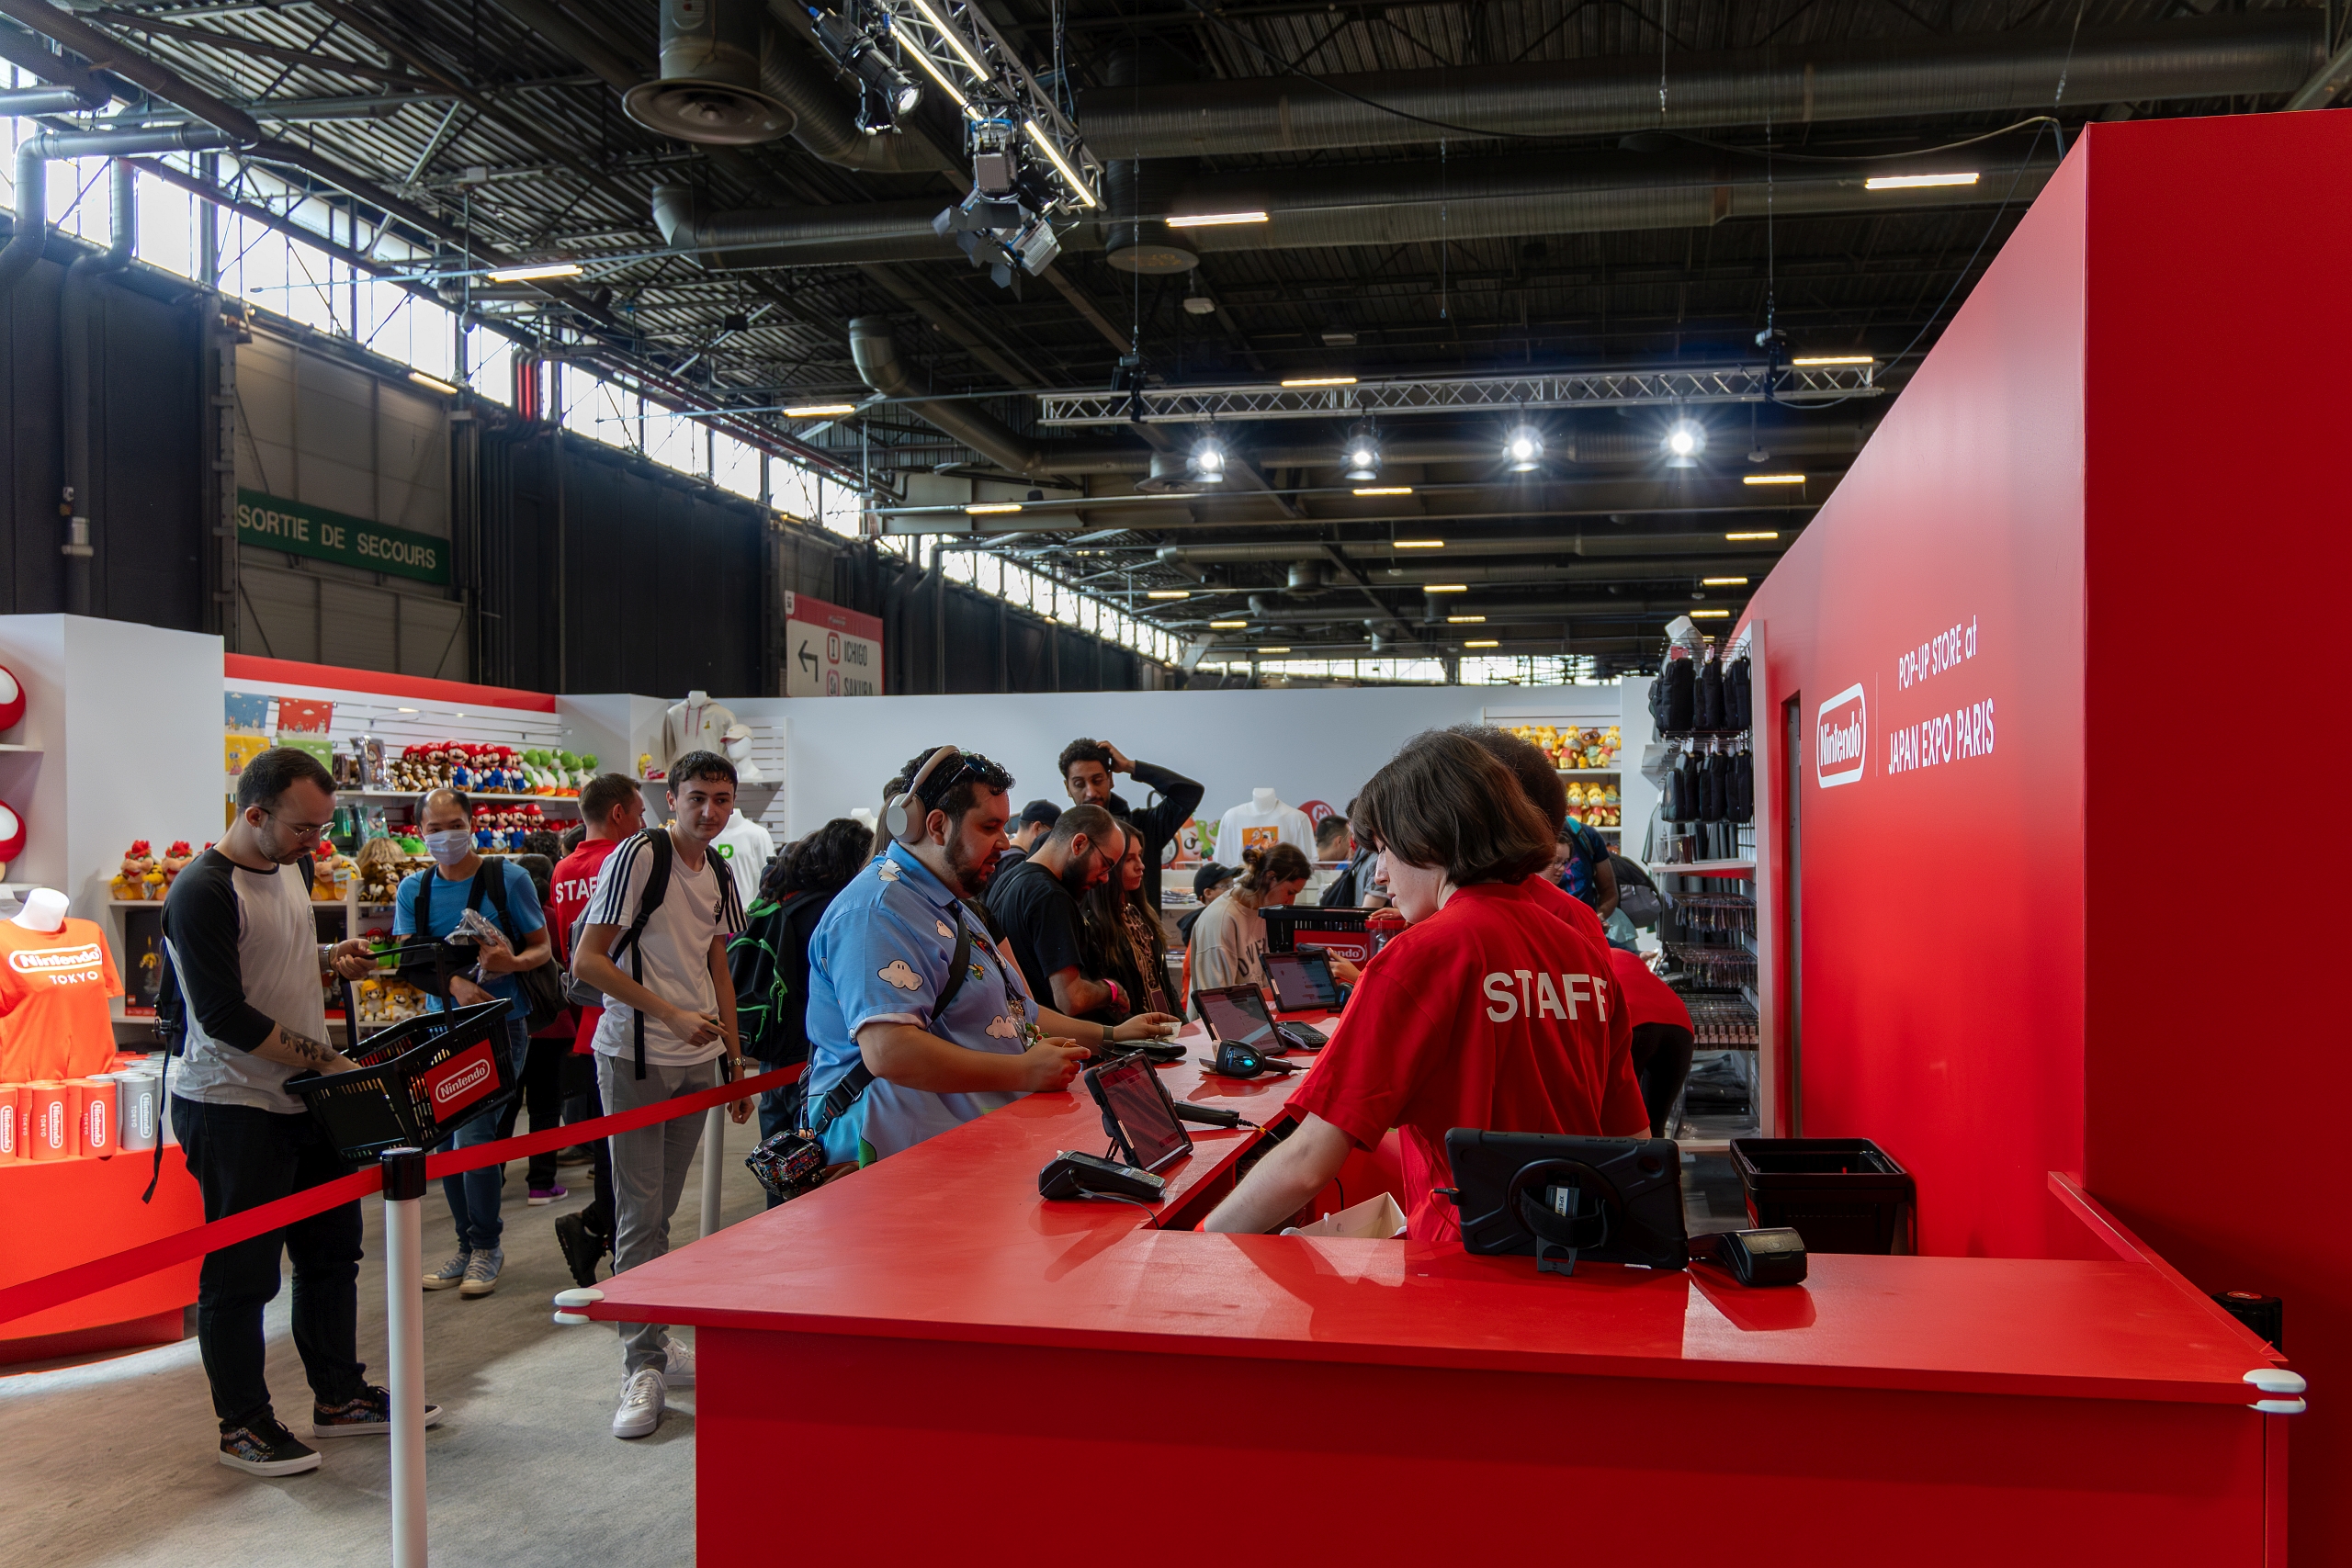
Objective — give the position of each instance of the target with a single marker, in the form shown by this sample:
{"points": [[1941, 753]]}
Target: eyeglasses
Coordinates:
{"points": [[304, 832]]}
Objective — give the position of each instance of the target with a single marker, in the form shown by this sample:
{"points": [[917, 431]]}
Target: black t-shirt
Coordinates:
{"points": [[1041, 920]]}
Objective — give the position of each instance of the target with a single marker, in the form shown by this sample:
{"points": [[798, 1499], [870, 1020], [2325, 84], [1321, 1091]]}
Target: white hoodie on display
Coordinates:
{"points": [[1262, 822], [747, 848]]}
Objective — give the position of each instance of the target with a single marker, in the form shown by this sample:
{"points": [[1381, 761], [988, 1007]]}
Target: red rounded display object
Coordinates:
{"points": [[12, 699], [12, 833]]}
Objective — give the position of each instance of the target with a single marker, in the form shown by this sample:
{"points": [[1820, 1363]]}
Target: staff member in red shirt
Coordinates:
{"points": [[1662, 1034], [612, 810], [1540, 782], [1485, 1014]]}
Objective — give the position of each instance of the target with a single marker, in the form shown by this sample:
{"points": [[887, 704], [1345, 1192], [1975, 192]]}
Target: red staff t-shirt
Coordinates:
{"points": [[1647, 998], [568, 891], [1488, 1014], [1551, 896]]}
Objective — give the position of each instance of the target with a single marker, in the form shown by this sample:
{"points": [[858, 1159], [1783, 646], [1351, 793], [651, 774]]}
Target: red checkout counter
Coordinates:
{"points": [[926, 1363]]}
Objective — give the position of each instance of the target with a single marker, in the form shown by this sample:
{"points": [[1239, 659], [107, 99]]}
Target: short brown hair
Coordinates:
{"points": [[1444, 801], [1091, 820], [1536, 775], [278, 770], [601, 794], [1263, 870]]}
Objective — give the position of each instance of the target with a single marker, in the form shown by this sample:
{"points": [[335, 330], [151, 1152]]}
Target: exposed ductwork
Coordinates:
{"points": [[1389, 204], [28, 55], [2258, 54], [1272, 612], [877, 357], [709, 90], [1135, 191], [30, 234], [1615, 552]]}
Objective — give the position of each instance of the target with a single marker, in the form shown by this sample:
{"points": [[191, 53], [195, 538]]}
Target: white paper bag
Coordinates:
{"points": [[1377, 1218]]}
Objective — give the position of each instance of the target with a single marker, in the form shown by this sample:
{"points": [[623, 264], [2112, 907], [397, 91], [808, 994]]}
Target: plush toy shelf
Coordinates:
{"points": [[477, 798]]}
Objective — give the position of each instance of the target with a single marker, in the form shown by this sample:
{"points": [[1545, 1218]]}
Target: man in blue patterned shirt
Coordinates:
{"points": [[880, 959]]}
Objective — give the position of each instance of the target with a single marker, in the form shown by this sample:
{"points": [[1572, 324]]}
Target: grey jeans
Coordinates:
{"points": [[649, 1178]]}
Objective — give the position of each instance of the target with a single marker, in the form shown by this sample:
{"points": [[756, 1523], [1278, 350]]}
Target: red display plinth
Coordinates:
{"points": [[2074, 598], [55, 1213]]}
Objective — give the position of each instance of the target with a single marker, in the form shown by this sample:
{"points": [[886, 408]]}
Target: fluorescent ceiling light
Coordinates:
{"points": [[1297, 381], [1465, 620], [1212, 220], [534, 273], [819, 410], [1227, 625], [1386, 490], [1446, 588], [931, 69], [1723, 582], [1415, 544], [1709, 614], [1069, 176], [955, 41], [1482, 642], [1771, 478], [1279, 648], [1915, 182], [1769, 535], [1811, 361], [989, 508], [422, 379], [1187, 593]]}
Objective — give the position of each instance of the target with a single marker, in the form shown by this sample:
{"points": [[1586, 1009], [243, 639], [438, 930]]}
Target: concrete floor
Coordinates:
{"points": [[111, 1463]]}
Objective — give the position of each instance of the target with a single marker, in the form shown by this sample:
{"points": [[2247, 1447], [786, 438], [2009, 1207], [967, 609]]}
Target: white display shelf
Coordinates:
{"points": [[1588, 772], [10, 746], [479, 797], [1703, 868]]}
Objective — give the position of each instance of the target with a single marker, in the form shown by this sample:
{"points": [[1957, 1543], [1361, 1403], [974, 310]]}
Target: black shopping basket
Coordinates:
{"points": [[415, 1082]]}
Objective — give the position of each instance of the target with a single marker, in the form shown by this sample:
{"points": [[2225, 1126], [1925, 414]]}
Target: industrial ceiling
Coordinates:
{"points": [[1553, 280]]}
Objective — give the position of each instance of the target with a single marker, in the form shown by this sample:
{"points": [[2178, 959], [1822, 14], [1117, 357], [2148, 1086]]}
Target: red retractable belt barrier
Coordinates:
{"points": [[100, 1273]]}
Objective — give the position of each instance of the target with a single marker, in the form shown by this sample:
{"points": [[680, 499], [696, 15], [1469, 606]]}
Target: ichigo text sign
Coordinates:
{"points": [[830, 651]]}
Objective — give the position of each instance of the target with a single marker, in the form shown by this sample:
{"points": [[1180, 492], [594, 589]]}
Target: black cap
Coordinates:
{"points": [[1208, 876], [1040, 813]]}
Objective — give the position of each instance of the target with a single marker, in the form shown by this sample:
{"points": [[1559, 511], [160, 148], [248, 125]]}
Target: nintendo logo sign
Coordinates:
{"points": [[459, 1081], [1841, 735]]}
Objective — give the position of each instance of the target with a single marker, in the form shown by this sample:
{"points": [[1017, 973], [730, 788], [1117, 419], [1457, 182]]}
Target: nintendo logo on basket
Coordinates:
{"points": [[1841, 734], [459, 1081]]}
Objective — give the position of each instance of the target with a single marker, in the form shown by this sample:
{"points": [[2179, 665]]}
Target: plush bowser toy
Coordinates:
{"points": [[131, 879]]}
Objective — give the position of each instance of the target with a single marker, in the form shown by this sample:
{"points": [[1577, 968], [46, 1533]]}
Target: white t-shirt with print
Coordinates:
{"points": [[701, 904]]}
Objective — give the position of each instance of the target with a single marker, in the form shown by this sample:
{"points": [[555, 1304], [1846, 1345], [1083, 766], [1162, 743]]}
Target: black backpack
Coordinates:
{"points": [[1675, 710], [1710, 696], [771, 1016], [1743, 788], [1737, 695]]}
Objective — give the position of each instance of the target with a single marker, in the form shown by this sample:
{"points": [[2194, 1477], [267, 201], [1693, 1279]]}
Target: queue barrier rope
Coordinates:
{"points": [[29, 1296]]}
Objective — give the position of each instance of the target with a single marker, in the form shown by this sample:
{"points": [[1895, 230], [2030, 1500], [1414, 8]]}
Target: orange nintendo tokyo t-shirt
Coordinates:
{"points": [[53, 991]]}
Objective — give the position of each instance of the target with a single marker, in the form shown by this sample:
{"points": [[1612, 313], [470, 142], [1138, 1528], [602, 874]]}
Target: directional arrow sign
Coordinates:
{"points": [[807, 658]]}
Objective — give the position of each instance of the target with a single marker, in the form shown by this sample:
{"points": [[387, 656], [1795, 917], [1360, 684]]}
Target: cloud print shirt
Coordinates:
{"points": [[880, 955]]}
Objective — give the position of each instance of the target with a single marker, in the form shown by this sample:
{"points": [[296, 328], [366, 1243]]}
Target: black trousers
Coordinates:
{"points": [[243, 1157], [543, 1093], [583, 1102], [1661, 1061]]}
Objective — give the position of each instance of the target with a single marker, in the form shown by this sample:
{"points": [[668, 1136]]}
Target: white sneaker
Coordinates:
{"points": [[641, 1409], [681, 1371]]}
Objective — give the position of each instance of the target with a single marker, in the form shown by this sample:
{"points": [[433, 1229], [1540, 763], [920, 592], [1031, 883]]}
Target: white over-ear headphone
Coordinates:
{"points": [[904, 816]]}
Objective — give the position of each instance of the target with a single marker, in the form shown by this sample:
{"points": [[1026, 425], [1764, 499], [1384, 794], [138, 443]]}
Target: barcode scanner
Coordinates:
{"points": [[1235, 1060]]}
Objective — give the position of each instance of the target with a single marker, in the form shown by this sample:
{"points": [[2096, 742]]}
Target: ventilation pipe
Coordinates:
{"points": [[1136, 191], [31, 230], [709, 90], [74, 332], [877, 357], [2256, 54]]}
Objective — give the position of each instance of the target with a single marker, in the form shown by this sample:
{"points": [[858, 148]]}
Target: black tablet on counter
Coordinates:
{"points": [[1303, 980], [1137, 1112]]}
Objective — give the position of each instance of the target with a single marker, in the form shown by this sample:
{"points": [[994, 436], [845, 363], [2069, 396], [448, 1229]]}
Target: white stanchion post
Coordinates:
{"points": [[714, 1151], [404, 1331]]}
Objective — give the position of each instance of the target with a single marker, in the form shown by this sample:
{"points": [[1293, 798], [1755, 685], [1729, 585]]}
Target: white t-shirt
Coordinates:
{"points": [[676, 948], [245, 950], [1245, 826], [747, 848]]}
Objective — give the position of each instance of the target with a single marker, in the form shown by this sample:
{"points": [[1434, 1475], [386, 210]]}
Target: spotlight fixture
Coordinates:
{"points": [[1215, 219], [819, 410], [1294, 382], [1187, 593], [1915, 182], [1771, 478], [1523, 449], [435, 382], [1483, 642], [1207, 460], [537, 273], [1361, 456], [1227, 625], [1684, 440], [885, 92]]}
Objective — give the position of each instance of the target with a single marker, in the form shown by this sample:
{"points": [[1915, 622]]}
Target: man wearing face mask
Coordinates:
{"points": [[431, 903], [902, 1046], [1036, 904]]}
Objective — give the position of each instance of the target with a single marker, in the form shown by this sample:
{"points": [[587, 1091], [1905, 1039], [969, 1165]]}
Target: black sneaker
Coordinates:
{"points": [[582, 1248], [578, 1154], [368, 1414], [263, 1447]]}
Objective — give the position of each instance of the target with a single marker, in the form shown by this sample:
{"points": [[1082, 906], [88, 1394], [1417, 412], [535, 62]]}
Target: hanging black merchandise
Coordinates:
{"points": [[1709, 701], [1743, 788], [1739, 713]]}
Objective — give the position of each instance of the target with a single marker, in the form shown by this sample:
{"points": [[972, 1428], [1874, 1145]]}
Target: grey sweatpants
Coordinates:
{"points": [[649, 1178]]}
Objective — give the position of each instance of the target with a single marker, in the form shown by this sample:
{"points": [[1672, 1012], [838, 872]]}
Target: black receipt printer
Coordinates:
{"points": [[1755, 1257]]}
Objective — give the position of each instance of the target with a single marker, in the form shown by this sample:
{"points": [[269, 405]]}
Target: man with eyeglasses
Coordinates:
{"points": [[904, 1043], [243, 1007]]}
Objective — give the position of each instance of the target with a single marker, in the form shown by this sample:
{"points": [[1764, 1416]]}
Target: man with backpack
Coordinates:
{"points": [[612, 811], [432, 903], [655, 946]]}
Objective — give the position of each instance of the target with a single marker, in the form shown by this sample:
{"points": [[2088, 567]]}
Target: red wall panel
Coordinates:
{"points": [[1942, 897], [2220, 333]]}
